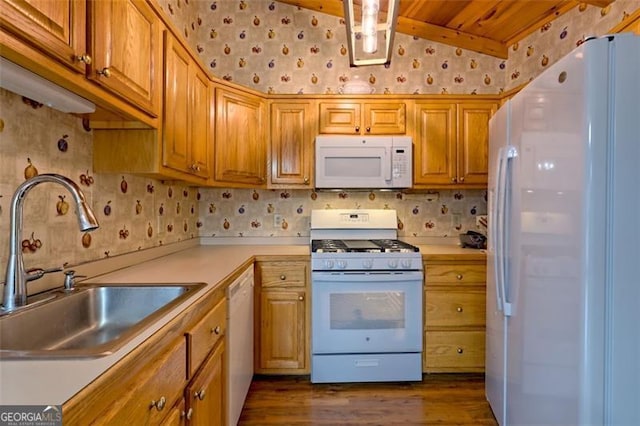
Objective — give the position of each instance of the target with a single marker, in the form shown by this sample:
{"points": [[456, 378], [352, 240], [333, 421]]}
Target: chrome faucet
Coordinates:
{"points": [[15, 288]]}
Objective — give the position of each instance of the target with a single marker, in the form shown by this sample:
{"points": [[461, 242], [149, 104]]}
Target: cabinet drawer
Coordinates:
{"points": [[454, 308], [283, 274], [156, 389], [454, 351], [455, 273], [206, 333]]}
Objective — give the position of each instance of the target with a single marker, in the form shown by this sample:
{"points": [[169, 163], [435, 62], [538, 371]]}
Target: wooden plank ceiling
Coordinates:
{"points": [[485, 26]]}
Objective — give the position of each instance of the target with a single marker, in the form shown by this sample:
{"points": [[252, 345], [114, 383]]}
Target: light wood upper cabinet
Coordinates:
{"points": [[126, 49], [56, 28], [293, 130], [362, 118], [240, 143], [186, 121], [473, 142], [451, 143]]}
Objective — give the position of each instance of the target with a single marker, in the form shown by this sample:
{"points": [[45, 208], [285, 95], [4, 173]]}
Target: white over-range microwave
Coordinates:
{"points": [[375, 162]]}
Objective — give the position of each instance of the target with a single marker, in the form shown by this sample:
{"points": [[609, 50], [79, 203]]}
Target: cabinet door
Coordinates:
{"points": [[206, 392], [340, 118], [240, 146], [126, 51], [57, 28], [292, 135], [178, 415], [199, 140], [282, 330], [384, 118], [435, 143], [176, 106], [473, 141]]}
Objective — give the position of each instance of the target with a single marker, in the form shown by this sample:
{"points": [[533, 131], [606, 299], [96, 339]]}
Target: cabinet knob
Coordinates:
{"points": [[104, 72], [306, 180], [283, 277], [459, 277], [454, 180], [357, 129], [216, 330], [194, 167], [368, 129], [84, 58], [159, 404], [301, 298], [461, 179], [460, 350], [188, 414], [200, 394], [459, 309]]}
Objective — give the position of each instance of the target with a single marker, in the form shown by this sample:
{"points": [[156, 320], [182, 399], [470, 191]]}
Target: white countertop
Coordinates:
{"points": [[53, 382]]}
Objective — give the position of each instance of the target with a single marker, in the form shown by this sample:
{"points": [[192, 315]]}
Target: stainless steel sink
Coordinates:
{"points": [[90, 321]]}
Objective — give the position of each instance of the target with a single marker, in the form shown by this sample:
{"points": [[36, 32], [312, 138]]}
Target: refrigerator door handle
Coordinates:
{"points": [[506, 154], [495, 231]]}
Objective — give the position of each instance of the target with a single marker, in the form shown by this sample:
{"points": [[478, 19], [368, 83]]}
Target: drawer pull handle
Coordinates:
{"points": [[459, 309], [159, 404], [216, 329], [459, 277], [460, 350], [200, 394], [283, 277]]}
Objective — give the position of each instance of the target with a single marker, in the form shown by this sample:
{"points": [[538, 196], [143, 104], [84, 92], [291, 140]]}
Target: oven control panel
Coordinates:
{"points": [[365, 262]]}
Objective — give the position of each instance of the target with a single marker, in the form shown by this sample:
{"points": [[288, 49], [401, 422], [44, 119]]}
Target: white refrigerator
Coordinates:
{"points": [[563, 285]]}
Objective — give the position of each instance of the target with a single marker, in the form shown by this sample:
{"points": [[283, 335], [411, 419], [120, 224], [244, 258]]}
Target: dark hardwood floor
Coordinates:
{"points": [[440, 399]]}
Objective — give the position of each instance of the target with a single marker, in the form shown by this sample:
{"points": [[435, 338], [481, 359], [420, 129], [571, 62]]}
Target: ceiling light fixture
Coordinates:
{"points": [[369, 40]]}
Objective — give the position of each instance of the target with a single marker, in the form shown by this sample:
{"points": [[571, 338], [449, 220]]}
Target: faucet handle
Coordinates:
{"points": [[70, 279], [37, 273]]}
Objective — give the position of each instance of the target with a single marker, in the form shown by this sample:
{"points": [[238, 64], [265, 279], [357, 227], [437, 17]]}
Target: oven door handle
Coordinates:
{"points": [[362, 276]]}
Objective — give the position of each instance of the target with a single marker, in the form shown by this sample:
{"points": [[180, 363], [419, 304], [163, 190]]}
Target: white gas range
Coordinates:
{"points": [[366, 299]]}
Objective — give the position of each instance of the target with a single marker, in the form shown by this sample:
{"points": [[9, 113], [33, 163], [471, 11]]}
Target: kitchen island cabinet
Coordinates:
{"points": [[282, 318]]}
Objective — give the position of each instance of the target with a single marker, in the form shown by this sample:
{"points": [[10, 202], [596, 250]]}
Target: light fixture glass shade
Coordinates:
{"points": [[369, 39]]}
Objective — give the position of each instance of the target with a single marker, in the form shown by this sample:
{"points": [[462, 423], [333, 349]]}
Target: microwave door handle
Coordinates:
{"points": [[386, 163]]}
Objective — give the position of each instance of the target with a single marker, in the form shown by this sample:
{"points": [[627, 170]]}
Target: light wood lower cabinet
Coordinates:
{"points": [[454, 316], [282, 318], [176, 377], [206, 399]]}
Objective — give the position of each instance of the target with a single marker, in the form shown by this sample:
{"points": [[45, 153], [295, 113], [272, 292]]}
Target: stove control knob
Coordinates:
{"points": [[367, 264], [393, 263], [328, 264], [342, 264], [406, 263]]}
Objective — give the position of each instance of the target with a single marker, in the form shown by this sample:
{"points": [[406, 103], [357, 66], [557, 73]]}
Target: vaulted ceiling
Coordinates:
{"points": [[485, 26]]}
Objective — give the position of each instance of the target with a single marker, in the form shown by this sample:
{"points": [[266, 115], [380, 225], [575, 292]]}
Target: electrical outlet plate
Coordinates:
{"points": [[277, 220]]}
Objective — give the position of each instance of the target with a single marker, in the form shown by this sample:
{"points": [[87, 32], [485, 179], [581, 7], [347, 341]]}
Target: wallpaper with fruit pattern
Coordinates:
{"points": [[137, 213], [279, 48]]}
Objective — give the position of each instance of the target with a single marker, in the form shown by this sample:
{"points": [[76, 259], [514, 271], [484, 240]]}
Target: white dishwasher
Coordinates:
{"points": [[239, 353]]}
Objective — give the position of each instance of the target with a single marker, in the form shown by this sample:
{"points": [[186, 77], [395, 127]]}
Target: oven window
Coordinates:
{"points": [[367, 310]]}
